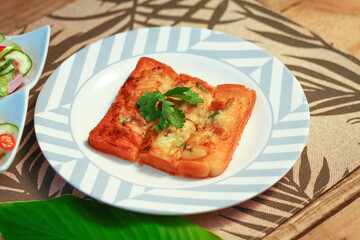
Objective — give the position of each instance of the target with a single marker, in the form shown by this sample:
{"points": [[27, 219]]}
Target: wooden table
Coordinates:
{"points": [[328, 217]]}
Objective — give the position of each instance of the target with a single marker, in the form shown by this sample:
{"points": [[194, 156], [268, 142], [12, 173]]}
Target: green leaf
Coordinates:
{"points": [[177, 118], [177, 91], [68, 217], [166, 110], [185, 94], [153, 105], [147, 103], [192, 97]]}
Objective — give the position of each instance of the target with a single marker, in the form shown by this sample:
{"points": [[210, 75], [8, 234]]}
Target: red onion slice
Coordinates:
{"points": [[14, 84]]}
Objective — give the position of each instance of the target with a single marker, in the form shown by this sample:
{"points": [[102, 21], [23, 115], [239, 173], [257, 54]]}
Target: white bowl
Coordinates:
{"points": [[13, 108]]}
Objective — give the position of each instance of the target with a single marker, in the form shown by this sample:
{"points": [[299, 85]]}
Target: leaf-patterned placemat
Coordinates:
{"points": [[329, 76]]}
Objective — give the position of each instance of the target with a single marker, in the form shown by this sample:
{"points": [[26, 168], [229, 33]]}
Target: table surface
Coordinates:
{"points": [[336, 212], [334, 206]]}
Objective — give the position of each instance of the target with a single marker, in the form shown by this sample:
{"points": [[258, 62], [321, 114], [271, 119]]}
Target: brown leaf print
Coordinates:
{"points": [[322, 179], [305, 171]]}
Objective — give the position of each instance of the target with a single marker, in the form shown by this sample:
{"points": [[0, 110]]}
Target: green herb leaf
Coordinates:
{"points": [[213, 115], [192, 97], [166, 110], [147, 103], [177, 118], [185, 94], [68, 217], [177, 91], [153, 105]]}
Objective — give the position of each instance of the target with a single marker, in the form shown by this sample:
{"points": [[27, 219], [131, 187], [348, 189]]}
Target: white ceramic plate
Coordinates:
{"points": [[79, 92], [13, 108]]}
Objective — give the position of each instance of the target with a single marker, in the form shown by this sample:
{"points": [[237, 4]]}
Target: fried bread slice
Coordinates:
{"points": [[209, 150], [163, 149], [122, 130], [205, 145], [202, 148]]}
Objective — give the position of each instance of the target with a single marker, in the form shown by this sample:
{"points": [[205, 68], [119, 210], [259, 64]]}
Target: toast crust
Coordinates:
{"points": [[202, 148]]}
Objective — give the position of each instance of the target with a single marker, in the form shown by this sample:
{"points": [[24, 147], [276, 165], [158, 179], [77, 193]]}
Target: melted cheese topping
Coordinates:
{"points": [[200, 112], [173, 139], [199, 145], [180, 142]]}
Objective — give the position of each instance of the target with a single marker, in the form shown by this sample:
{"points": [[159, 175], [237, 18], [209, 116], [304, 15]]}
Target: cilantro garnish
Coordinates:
{"points": [[186, 94], [154, 105], [183, 145], [213, 115]]}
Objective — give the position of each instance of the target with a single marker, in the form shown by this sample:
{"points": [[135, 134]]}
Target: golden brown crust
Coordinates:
{"points": [[220, 136], [202, 148], [122, 138]]}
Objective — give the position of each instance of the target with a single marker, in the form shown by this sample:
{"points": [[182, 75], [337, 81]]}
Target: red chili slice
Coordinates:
{"points": [[7, 141], [2, 48]]}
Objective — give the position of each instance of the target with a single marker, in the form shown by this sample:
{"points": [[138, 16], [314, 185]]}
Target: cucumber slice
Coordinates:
{"points": [[3, 87], [8, 128], [5, 64], [2, 37], [22, 58], [10, 76], [9, 48], [6, 71]]}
